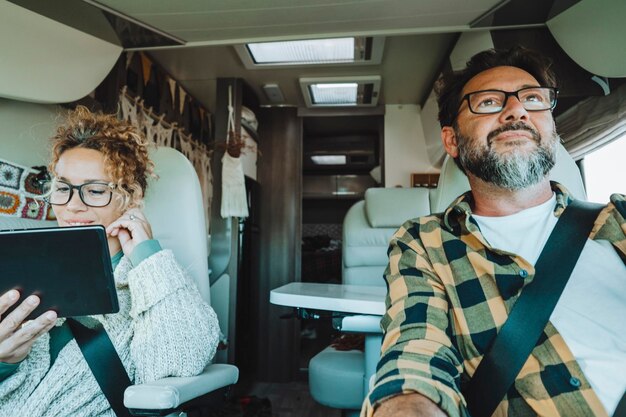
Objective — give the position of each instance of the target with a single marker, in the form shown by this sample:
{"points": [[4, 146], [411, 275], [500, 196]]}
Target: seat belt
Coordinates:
{"points": [[104, 362], [529, 316], [620, 410]]}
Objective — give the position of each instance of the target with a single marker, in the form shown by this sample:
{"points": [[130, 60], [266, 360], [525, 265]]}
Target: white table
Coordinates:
{"points": [[355, 299], [364, 304]]}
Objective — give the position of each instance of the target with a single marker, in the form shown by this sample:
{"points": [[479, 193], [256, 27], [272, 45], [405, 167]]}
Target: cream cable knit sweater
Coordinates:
{"points": [[164, 328]]}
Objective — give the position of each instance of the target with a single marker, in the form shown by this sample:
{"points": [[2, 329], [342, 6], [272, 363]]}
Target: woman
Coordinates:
{"points": [[164, 328]]}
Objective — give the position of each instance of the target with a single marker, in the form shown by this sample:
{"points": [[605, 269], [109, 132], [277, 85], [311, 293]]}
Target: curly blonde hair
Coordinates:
{"points": [[124, 147]]}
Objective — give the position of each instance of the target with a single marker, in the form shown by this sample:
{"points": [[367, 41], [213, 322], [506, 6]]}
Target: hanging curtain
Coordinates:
{"points": [[593, 123]]}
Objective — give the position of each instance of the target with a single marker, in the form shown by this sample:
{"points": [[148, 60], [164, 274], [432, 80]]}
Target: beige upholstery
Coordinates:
{"points": [[453, 183], [369, 225], [174, 207], [390, 207]]}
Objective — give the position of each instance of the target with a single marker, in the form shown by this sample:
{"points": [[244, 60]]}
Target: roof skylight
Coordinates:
{"points": [[361, 90], [334, 93], [357, 50], [303, 52]]}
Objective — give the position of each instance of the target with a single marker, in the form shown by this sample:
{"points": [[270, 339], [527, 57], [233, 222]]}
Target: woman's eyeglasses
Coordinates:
{"points": [[92, 194]]}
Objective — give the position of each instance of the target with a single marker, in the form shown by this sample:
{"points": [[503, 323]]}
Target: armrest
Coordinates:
{"points": [[169, 393], [361, 324]]}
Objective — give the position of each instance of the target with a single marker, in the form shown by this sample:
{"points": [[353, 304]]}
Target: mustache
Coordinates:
{"points": [[514, 126]]}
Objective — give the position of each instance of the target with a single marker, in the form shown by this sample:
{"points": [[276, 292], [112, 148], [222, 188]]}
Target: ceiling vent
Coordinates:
{"points": [[357, 50], [360, 91]]}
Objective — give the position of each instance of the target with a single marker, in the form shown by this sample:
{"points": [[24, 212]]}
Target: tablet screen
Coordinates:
{"points": [[69, 268]]}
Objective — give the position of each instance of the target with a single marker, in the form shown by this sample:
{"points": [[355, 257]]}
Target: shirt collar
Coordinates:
{"points": [[461, 207]]}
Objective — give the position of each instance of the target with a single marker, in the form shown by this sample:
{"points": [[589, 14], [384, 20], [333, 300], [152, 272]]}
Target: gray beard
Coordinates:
{"points": [[513, 171]]}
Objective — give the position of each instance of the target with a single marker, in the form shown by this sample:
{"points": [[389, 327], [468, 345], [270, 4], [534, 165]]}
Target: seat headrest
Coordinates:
{"points": [[390, 207], [453, 183]]}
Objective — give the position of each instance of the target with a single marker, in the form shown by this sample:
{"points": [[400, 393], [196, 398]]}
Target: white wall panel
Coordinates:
{"points": [[47, 62]]}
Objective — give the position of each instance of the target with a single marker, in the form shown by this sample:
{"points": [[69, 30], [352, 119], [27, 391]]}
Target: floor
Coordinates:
{"points": [[292, 400]]}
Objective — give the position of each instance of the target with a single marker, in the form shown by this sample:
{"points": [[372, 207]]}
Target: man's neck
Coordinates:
{"points": [[493, 201]]}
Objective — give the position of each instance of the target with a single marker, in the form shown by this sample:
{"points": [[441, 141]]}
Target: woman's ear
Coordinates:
{"points": [[449, 140]]}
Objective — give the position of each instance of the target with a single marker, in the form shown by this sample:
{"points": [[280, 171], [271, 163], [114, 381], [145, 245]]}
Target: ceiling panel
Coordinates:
{"points": [[409, 63], [423, 32], [196, 6], [223, 22]]}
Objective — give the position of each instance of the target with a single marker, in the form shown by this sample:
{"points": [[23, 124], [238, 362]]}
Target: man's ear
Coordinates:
{"points": [[449, 140]]}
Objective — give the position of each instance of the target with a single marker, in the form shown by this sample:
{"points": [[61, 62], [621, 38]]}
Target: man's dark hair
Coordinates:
{"points": [[450, 85]]}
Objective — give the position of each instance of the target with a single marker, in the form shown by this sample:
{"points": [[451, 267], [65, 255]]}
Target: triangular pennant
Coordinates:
{"points": [[129, 58], [181, 103], [146, 66], [172, 85]]}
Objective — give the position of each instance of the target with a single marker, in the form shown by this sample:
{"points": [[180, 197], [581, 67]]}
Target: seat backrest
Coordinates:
{"points": [[174, 207], [453, 183], [368, 227]]}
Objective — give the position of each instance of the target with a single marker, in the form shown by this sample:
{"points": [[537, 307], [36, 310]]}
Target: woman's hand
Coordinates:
{"points": [[131, 229], [17, 340]]}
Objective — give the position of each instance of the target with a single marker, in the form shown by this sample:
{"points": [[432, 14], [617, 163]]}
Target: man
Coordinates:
{"points": [[453, 277]]}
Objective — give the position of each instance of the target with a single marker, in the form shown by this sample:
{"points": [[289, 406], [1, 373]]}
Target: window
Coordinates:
{"points": [[605, 171]]}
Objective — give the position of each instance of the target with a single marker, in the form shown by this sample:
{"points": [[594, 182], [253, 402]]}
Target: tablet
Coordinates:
{"points": [[69, 268]]}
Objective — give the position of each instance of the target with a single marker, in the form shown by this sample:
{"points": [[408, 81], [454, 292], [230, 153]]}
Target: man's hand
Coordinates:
{"points": [[409, 405], [17, 340]]}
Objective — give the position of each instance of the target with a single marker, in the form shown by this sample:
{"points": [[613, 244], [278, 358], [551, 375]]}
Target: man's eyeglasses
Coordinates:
{"points": [[493, 101], [92, 194]]}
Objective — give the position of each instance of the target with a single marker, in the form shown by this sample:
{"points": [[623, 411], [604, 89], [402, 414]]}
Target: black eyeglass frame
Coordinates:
{"points": [[508, 94], [112, 187]]}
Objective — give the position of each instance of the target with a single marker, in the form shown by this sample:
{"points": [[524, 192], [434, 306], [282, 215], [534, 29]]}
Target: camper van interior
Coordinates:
{"points": [[321, 115]]}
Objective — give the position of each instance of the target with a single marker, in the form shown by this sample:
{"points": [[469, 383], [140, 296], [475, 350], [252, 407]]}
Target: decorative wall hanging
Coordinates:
{"points": [[20, 192], [234, 202], [162, 133]]}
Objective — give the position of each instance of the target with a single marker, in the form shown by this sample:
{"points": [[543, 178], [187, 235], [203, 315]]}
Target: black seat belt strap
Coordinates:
{"points": [[620, 411], [104, 362], [530, 314]]}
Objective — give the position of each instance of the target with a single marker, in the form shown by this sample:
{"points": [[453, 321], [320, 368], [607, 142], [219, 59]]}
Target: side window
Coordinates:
{"points": [[605, 171]]}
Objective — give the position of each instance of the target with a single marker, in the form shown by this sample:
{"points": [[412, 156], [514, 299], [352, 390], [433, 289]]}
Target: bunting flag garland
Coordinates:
{"points": [[162, 133]]}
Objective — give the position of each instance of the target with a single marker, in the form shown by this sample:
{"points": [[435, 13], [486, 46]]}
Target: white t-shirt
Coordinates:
{"points": [[591, 313]]}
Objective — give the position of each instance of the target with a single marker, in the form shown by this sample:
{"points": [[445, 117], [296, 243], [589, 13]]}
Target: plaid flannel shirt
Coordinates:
{"points": [[449, 292]]}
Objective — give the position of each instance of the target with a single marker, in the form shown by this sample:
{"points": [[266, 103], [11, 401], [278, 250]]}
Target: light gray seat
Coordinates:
{"points": [[174, 208], [337, 378]]}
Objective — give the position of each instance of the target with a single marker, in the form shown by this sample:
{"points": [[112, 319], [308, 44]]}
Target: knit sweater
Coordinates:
{"points": [[163, 328]]}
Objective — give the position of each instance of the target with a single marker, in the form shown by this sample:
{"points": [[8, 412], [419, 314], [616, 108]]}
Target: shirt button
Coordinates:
{"points": [[574, 382], [523, 273]]}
